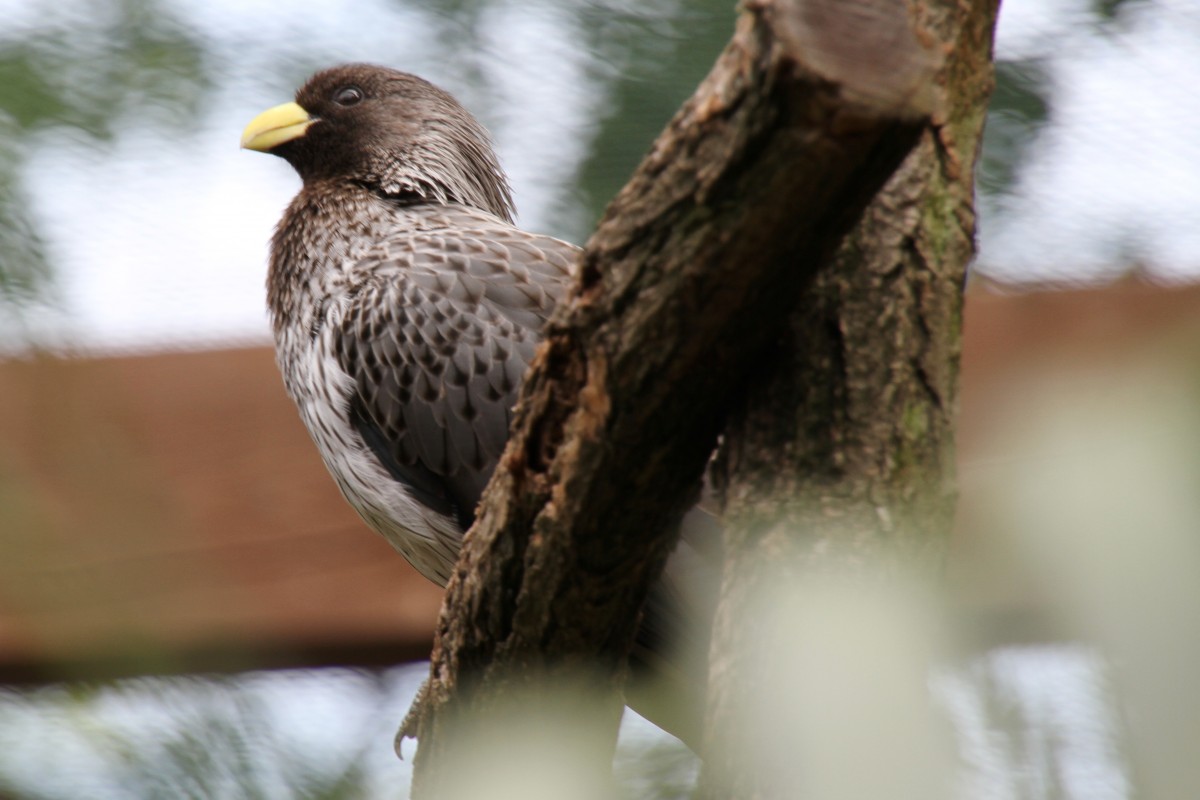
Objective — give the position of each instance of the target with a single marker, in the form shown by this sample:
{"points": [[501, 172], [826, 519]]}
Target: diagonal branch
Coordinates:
{"points": [[688, 278]]}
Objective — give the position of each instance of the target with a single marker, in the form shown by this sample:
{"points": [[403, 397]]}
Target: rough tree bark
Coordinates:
{"points": [[842, 458], [685, 291]]}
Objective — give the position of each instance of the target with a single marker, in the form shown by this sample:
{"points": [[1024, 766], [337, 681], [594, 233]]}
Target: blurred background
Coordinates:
{"points": [[187, 609]]}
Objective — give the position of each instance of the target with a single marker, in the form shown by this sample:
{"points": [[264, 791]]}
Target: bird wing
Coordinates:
{"points": [[437, 341]]}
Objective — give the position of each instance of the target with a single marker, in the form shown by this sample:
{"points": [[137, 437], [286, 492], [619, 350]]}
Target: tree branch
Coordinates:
{"points": [[689, 276], [841, 461]]}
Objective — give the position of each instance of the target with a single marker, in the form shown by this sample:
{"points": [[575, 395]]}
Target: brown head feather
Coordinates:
{"points": [[397, 135]]}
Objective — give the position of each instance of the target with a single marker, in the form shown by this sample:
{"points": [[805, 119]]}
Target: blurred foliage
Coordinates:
{"points": [[83, 74], [234, 737], [651, 62], [1109, 9], [24, 270], [87, 72], [1019, 110], [325, 734], [198, 738], [1022, 105]]}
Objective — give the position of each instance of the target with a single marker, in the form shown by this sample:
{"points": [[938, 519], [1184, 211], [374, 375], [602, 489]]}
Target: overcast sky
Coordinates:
{"points": [[1115, 177]]}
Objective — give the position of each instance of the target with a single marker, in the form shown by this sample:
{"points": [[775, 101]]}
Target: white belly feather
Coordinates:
{"points": [[321, 390]]}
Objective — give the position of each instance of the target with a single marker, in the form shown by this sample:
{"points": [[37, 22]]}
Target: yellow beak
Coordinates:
{"points": [[275, 126]]}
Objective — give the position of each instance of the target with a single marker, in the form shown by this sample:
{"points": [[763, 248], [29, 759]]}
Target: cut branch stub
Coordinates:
{"points": [[867, 49]]}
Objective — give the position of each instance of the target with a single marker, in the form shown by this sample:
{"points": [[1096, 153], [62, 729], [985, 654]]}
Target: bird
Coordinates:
{"points": [[406, 306]]}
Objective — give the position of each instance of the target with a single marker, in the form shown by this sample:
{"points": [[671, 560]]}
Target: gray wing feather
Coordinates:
{"points": [[437, 340]]}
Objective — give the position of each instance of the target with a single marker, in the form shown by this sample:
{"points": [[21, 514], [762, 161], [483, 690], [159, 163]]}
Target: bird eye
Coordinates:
{"points": [[348, 96]]}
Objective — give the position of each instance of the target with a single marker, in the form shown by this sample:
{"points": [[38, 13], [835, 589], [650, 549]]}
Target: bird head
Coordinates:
{"points": [[387, 131]]}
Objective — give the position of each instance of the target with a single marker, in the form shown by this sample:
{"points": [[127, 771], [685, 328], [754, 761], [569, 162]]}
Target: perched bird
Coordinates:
{"points": [[406, 306]]}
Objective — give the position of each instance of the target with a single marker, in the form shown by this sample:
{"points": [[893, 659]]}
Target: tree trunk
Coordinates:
{"points": [[684, 293], [841, 462]]}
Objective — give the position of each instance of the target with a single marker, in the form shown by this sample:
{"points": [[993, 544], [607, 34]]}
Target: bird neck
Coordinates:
{"points": [[445, 170], [326, 229]]}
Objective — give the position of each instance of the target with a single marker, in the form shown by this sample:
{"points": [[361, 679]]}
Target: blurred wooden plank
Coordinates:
{"points": [[170, 509], [168, 513], [1010, 334]]}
